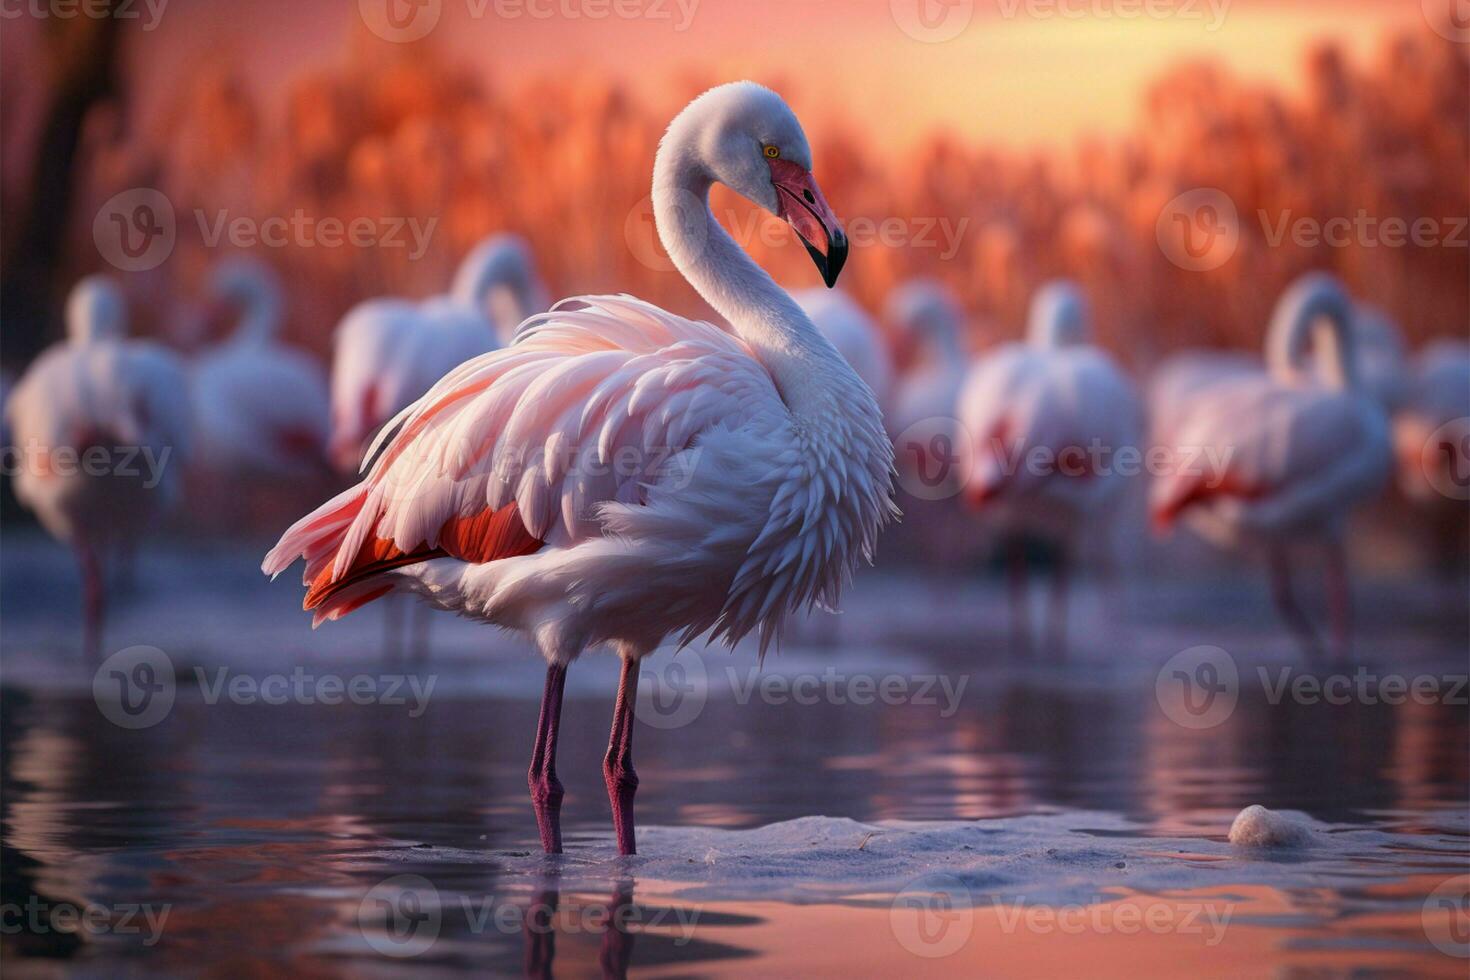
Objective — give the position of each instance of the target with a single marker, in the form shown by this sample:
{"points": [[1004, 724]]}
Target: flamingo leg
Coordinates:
{"points": [[617, 767], [540, 933], [617, 943], [1056, 632], [1339, 600], [546, 789], [1291, 610], [1018, 570], [94, 601]]}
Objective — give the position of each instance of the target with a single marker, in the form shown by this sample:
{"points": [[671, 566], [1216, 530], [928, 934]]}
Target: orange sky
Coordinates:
{"points": [[1019, 73]]}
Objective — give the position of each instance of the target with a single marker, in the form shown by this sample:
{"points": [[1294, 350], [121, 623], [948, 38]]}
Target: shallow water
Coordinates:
{"points": [[981, 818]]}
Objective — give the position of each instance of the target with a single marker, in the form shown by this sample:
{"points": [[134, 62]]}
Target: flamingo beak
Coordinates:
{"points": [[803, 206]]}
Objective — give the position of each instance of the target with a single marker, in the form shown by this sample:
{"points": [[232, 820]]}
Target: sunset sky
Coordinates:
{"points": [[1017, 72]]}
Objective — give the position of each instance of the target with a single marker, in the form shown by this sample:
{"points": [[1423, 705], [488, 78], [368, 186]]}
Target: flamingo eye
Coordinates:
{"points": [[772, 152]]}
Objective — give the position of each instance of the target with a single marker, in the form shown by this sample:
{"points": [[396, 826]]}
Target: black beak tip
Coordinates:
{"points": [[830, 265]]}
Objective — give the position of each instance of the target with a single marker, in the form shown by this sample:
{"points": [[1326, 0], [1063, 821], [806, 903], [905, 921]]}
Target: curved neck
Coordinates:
{"points": [[804, 365], [1313, 315]]}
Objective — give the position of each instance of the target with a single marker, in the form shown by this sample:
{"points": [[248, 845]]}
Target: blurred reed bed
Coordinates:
{"points": [[398, 131]]}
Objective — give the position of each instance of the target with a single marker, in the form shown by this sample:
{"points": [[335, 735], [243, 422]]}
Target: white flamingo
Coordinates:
{"points": [[1302, 446], [101, 424], [852, 331], [930, 323], [388, 352], [762, 470], [261, 407], [1047, 419], [1432, 432]]}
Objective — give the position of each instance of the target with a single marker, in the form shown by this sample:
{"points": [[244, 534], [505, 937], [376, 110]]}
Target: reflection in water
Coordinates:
{"points": [[261, 829]]}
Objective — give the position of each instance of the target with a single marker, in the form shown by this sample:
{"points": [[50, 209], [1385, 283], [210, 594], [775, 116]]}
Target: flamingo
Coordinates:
{"points": [[756, 473], [1432, 442], [1303, 445], [102, 425], [388, 352], [260, 406], [1048, 417], [848, 327], [930, 323]]}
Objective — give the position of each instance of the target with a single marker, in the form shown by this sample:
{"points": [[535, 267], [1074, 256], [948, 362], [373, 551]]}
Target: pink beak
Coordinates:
{"points": [[803, 205]]}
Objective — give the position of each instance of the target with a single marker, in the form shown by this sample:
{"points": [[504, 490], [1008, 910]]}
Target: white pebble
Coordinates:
{"points": [[1255, 826]]}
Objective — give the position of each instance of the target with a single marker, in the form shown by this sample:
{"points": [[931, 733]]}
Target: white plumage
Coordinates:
{"points": [[388, 352], [620, 474], [930, 322], [852, 331], [123, 405], [260, 406], [1302, 445]]}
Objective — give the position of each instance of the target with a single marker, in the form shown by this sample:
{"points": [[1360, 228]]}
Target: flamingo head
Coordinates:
{"points": [[751, 142], [96, 310]]}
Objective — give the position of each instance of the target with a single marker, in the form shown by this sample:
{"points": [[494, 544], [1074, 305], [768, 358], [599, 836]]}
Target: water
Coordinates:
{"points": [[1067, 818]]}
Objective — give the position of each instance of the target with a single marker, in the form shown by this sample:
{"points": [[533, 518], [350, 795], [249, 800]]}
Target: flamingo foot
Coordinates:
{"points": [[617, 766], [546, 789]]}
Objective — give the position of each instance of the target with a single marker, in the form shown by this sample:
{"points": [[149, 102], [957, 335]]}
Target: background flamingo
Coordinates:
{"points": [[388, 352], [1306, 444], [260, 406], [1432, 442], [1058, 394], [492, 496], [98, 395]]}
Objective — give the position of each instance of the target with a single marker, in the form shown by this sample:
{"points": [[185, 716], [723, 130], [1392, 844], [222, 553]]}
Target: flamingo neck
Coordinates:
{"points": [[808, 372], [1316, 315], [261, 317], [499, 279]]}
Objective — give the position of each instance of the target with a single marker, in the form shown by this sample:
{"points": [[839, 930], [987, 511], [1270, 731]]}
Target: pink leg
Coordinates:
{"points": [[1339, 601], [1056, 631], [540, 934], [546, 789], [1018, 569], [617, 943], [617, 767], [1290, 609], [94, 603]]}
